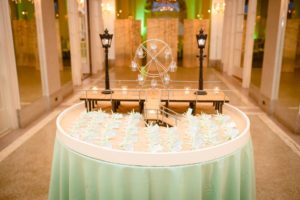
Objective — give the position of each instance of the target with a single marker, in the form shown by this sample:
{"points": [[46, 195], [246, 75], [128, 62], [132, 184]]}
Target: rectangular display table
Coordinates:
{"points": [[91, 97]]}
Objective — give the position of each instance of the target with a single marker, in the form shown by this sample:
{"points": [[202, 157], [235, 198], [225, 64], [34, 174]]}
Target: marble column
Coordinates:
{"points": [[229, 36], [215, 48], [108, 15], [96, 27], [226, 35], [74, 31], [233, 37], [47, 45], [9, 90], [250, 28]]}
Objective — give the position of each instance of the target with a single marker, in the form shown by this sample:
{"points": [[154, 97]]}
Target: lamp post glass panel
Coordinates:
{"points": [[106, 39], [201, 41]]}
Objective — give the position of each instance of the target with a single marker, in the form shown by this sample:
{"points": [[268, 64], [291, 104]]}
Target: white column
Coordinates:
{"points": [[234, 18], [231, 40], [47, 44], [247, 65], [74, 31], [225, 38], [215, 49], [108, 14], [84, 37], [228, 39], [9, 89], [276, 22], [96, 27]]}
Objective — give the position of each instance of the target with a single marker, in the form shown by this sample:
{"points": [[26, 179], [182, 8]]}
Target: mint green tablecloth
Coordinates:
{"points": [[76, 176]]}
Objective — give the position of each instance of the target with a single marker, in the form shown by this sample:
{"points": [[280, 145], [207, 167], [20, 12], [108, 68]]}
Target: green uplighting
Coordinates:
{"points": [[140, 15], [25, 10], [255, 35], [191, 11]]}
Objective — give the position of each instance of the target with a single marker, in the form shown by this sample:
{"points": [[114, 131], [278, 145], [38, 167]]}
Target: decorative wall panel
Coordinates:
{"points": [[25, 41], [166, 30], [190, 47], [127, 39]]}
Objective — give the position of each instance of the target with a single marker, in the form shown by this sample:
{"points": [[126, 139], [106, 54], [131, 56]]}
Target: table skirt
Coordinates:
{"points": [[75, 176]]}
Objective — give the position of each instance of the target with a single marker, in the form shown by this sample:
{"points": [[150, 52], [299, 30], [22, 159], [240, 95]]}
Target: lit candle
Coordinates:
{"points": [[216, 90], [134, 66], [167, 79], [187, 90], [124, 89], [153, 83], [140, 79], [152, 111], [95, 89]]}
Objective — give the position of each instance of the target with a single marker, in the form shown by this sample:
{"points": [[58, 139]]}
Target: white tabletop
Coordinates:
{"points": [[149, 158]]}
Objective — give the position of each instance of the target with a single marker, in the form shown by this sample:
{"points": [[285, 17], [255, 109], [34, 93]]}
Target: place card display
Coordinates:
{"points": [[129, 132]]}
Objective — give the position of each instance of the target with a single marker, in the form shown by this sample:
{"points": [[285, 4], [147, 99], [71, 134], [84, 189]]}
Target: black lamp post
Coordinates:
{"points": [[106, 42], [201, 40]]}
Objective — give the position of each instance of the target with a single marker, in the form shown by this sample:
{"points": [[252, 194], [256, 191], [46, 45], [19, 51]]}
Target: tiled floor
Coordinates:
{"points": [[26, 163]]}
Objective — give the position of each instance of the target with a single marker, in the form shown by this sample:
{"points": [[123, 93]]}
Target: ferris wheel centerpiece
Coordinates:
{"points": [[153, 59]]}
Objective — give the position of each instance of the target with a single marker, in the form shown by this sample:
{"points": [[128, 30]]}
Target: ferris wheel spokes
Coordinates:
{"points": [[159, 62]]}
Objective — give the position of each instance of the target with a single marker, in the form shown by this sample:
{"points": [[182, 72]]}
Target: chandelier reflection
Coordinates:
{"points": [[165, 5], [107, 7], [218, 7]]}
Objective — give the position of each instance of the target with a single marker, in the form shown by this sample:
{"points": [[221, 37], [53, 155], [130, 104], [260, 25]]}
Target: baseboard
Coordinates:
{"points": [[31, 112], [215, 63], [280, 112]]}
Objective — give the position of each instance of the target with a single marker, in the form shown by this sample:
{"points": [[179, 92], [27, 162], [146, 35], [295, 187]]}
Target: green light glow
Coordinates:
{"points": [[255, 35], [140, 15], [194, 8], [25, 10], [191, 11]]}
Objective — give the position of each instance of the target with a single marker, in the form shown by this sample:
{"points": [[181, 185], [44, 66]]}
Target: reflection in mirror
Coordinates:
{"points": [[63, 40], [26, 50], [259, 41], [289, 91]]}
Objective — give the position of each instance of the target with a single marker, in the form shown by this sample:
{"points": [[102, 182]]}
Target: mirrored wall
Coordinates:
{"points": [[26, 50], [259, 42], [63, 40], [289, 88]]}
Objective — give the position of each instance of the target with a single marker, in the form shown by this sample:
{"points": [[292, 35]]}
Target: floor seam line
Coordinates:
{"points": [[27, 135], [281, 134], [232, 88], [4, 153]]}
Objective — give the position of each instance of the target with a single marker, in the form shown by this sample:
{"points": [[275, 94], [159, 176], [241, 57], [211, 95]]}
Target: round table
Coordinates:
{"points": [[82, 170]]}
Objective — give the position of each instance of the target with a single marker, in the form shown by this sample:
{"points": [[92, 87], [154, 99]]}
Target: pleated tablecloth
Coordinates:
{"points": [[85, 171], [75, 176]]}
